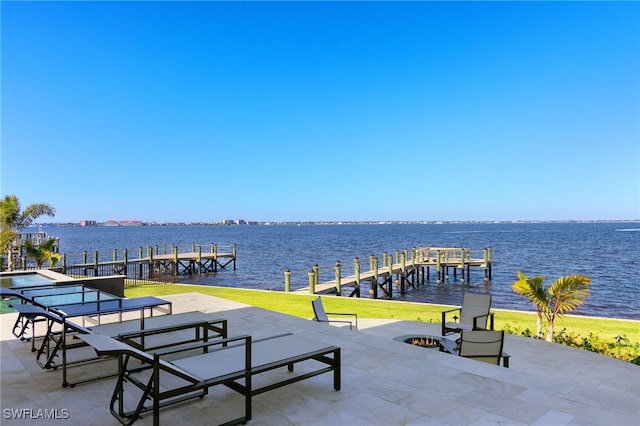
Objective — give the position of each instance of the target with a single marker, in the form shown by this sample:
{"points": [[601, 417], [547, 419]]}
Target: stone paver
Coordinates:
{"points": [[384, 382]]}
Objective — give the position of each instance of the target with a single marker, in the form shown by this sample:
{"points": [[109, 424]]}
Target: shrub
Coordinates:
{"points": [[620, 348]]}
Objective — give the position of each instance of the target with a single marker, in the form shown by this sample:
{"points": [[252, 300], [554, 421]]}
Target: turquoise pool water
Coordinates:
{"points": [[48, 294], [24, 280], [64, 295]]}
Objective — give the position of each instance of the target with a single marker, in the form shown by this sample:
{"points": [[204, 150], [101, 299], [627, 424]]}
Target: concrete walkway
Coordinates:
{"points": [[384, 382]]}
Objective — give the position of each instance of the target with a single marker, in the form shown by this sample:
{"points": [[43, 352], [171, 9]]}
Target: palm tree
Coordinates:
{"points": [[532, 288], [42, 253], [12, 220], [565, 295]]}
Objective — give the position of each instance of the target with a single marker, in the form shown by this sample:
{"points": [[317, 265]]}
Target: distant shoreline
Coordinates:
{"points": [[355, 222]]}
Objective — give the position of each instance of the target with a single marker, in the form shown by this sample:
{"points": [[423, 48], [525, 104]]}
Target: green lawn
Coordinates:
{"points": [[300, 306]]}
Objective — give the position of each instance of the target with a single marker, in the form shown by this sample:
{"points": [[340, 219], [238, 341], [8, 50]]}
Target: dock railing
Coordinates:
{"points": [[153, 264], [402, 269]]}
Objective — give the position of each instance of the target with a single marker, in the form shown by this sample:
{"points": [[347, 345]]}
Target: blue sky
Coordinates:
{"points": [[276, 111]]}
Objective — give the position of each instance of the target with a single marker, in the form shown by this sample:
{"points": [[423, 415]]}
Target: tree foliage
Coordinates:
{"points": [[42, 253], [563, 295], [532, 289], [13, 219]]}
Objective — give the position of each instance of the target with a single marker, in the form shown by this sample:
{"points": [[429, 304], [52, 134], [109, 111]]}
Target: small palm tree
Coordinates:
{"points": [[563, 295], [532, 288], [12, 220], [42, 253]]}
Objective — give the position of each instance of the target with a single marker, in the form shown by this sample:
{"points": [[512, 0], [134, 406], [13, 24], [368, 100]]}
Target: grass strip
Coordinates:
{"points": [[299, 305]]}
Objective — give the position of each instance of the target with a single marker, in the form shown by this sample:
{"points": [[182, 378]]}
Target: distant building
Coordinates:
{"points": [[130, 223], [234, 222], [111, 223], [87, 223]]}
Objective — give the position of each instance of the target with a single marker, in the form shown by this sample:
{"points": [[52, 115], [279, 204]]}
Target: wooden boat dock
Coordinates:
{"points": [[406, 269], [153, 266]]}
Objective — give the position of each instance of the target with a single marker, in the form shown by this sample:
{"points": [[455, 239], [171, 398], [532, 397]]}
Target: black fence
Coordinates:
{"points": [[135, 273]]}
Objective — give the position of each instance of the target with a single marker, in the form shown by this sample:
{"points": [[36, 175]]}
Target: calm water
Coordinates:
{"points": [[607, 252]]}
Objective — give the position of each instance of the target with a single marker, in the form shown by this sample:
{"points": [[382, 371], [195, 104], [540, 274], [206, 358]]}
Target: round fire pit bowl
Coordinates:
{"points": [[424, 341]]}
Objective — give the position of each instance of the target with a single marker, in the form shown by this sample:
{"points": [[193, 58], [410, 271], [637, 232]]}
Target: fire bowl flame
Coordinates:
{"points": [[425, 342], [430, 342]]}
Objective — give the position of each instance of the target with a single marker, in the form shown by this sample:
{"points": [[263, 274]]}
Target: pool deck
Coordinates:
{"points": [[384, 382]]}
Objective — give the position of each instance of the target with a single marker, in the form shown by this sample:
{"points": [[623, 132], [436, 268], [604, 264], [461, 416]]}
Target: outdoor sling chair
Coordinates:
{"points": [[483, 345], [473, 315], [171, 375], [322, 316]]}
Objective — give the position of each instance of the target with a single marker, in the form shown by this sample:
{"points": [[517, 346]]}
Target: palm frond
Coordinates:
{"points": [[9, 211], [32, 212], [569, 292], [532, 289], [48, 245], [12, 218], [42, 253], [6, 239]]}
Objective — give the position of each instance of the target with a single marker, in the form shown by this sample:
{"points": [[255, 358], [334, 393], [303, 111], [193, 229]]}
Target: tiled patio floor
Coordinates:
{"points": [[384, 382]]}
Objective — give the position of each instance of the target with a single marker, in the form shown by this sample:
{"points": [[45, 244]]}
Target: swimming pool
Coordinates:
{"points": [[24, 280], [109, 287], [62, 295], [27, 279]]}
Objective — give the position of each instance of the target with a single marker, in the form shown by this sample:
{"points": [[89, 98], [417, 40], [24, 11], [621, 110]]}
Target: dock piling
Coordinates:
{"points": [[312, 282], [214, 252], [234, 255], [404, 269], [374, 283], [356, 268], [287, 281]]}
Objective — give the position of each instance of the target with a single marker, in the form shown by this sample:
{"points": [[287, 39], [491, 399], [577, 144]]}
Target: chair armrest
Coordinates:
{"points": [[489, 323], [345, 314], [444, 318], [448, 311], [505, 359], [169, 350], [207, 324]]}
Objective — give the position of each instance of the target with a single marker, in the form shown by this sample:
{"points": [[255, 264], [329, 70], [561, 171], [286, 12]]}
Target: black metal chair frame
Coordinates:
{"points": [[61, 342], [501, 355], [448, 329], [322, 316], [196, 387]]}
